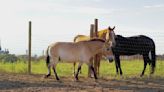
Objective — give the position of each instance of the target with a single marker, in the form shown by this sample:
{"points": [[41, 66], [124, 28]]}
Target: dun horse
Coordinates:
{"points": [[140, 44], [71, 52], [102, 34]]}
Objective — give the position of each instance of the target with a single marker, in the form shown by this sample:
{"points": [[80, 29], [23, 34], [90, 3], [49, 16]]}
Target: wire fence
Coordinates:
{"points": [[40, 43]]}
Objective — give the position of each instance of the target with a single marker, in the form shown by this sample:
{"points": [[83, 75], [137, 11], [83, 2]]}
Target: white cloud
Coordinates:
{"points": [[155, 6]]}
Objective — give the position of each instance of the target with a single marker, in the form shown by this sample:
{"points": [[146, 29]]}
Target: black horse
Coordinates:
{"points": [[140, 44]]}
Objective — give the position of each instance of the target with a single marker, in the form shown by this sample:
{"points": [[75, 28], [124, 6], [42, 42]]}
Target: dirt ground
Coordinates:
{"points": [[36, 83]]}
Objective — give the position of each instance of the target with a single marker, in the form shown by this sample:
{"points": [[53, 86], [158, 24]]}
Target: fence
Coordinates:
{"points": [[30, 67]]}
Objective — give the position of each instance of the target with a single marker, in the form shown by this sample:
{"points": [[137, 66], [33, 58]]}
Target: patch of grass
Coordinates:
{"points": [[130, 68], [17, 67]]}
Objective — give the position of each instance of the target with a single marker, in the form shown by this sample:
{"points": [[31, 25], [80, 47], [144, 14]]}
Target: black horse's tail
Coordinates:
{"points": [[153, 61]]}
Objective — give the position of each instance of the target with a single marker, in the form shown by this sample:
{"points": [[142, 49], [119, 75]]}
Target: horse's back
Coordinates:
{"points": [[79, 38], [145, 40], [134, 44], [64, 46], [69, 51], [135, 40]]}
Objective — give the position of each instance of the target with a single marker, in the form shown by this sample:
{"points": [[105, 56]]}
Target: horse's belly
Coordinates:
{"points": [[69, 57], [73, 54]]}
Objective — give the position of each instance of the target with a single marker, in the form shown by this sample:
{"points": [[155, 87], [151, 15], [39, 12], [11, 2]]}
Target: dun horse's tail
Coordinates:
{"points": [[48, 62], [48, 56], [74, 40]]}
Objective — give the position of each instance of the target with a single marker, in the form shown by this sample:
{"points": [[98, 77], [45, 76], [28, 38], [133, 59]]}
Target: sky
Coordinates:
{"points": [[62, 20]]}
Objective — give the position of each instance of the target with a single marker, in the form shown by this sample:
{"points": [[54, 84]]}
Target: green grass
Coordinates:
{"points": [[130, 68]]}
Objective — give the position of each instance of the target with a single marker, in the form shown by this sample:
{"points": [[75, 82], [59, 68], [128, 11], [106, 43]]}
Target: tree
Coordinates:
{"points": [[8, 58]]}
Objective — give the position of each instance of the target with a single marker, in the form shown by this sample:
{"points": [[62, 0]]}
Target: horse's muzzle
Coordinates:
{"points": [[110, 58]]}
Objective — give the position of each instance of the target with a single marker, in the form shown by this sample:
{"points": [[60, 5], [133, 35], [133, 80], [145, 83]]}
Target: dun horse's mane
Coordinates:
{"points": [[97, 39]]}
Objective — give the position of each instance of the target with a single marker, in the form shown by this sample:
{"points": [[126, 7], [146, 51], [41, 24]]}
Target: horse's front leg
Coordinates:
{"points": [[77, 73], [74, 64], [98, 67], [92, 68], [118, 65]]}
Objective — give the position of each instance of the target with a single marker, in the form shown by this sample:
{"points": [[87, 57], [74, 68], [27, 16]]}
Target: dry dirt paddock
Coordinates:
{"points": [[36, 83]]}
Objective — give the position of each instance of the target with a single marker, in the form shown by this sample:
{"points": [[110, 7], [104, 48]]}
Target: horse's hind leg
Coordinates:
{"points": [[48, 64], [79, 68], [54, 69], [49, 71], [153, 61], [145, 57]]}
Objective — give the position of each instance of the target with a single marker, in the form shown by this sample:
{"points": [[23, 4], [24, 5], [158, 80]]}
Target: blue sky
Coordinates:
{"points": [[61, 20]]}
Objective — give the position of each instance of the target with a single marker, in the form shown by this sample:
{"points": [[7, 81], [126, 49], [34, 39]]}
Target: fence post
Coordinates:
{"points": [[96, 27], [96, 58], [29, 48], [91, 36]]}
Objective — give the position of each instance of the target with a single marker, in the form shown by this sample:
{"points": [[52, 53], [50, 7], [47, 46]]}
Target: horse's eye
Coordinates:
{"points": [[108, 49]]}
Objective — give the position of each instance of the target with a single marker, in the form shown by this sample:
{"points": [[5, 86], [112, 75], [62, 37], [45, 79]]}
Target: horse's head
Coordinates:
{"points": [[111, 35], [107, 51], [104, 34]]}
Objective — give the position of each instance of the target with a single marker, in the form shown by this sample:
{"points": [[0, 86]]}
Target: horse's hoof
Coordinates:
{"points": [[141, 75], [46, 76], [96, 78], [77, 79], [57, 79]]}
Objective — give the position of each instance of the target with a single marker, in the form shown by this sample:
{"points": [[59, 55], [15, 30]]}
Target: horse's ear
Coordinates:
{"points": [[109, 28], [113, 28]]}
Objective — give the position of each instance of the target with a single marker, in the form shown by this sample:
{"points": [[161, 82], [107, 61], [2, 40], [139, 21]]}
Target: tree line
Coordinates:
{"points": [[11, 58]]}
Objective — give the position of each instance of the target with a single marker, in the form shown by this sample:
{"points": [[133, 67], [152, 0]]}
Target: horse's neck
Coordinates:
{"points": [[96, 49], [102, 33]]}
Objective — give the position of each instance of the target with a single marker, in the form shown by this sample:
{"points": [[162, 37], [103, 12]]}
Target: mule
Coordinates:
{"points": [[80, 52]]}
